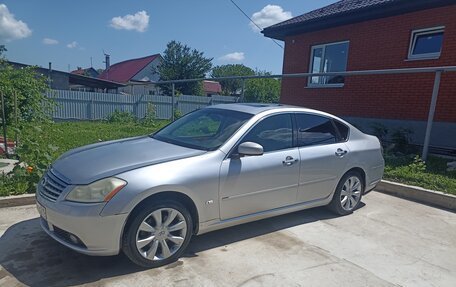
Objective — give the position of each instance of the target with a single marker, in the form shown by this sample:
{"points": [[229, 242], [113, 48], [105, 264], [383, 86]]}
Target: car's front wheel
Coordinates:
{"points": [[348, 194], [158, 234]]}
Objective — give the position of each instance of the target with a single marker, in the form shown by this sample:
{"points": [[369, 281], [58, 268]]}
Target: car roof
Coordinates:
{"points": [[257, 108]]}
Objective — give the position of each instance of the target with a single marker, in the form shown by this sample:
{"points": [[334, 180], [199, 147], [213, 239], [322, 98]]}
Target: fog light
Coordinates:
{"points": [[74, 239]]}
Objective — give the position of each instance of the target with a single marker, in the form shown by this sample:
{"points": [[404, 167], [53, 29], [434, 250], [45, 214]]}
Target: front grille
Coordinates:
{"points": [[51, 186]]}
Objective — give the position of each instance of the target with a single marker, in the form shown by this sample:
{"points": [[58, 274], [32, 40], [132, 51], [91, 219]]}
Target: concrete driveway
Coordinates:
{"points": [[387, 242]]}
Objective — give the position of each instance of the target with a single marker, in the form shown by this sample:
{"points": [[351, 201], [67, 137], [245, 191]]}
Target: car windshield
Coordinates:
{"points": [[205, 129]]}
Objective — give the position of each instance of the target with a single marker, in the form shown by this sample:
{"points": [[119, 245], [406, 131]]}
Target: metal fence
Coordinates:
{"points": [[75, 105]]}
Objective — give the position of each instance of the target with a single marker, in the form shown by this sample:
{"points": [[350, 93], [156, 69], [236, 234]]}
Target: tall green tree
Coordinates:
{"points": [[231, 87], [262, 90], [182, 62]]}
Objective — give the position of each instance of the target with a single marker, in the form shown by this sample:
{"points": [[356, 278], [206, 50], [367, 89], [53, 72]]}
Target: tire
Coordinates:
{"points": [[348, 194], [158, 234]]}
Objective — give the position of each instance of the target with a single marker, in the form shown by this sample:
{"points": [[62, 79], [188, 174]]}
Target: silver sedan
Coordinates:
{"points": [[216, 167]]}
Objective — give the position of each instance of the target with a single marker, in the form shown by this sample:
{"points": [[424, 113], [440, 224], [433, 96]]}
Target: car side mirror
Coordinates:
{"points": [[250, 148]]}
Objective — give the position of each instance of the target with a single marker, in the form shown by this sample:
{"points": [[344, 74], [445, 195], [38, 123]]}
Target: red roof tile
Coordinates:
{"points": [[122, 72], [212, 87]]}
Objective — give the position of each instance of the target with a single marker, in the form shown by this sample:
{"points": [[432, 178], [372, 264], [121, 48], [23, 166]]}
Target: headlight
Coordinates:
{"points": [[98, 191]]}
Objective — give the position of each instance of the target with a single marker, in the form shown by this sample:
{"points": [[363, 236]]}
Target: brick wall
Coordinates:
{"points": [[377, 44]]}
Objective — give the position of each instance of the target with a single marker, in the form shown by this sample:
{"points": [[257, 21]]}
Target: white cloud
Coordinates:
{"points": [[10, 28], [49, 41], [269, 15], [72, 45], [233, 57], [138, 22]]}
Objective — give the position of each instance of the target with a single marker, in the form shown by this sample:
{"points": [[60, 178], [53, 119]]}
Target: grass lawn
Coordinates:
{"points": [[69, 135], [432, 175]]}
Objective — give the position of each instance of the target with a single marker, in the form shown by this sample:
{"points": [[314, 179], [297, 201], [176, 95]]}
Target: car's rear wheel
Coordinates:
{"points": [[158, 234], [348, 194]]}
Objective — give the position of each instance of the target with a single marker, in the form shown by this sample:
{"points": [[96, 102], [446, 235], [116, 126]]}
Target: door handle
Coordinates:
{"points": [[289, 161], [340, 152]]}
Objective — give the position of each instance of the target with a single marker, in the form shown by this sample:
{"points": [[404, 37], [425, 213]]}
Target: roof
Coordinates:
{"points": [[73, 78], [123, 72], [212, 87], [250, 108], [346, 12], [83, 72]]}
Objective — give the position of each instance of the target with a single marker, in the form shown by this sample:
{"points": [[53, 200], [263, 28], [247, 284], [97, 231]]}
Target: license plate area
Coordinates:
{"points": [[41, 210]]}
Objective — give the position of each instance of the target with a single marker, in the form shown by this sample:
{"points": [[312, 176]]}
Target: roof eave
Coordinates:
{"points": [[351, 17]]}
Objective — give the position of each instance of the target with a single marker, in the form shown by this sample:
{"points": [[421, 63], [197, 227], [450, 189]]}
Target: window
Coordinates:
{"points": [[343, 130], [315, 130], [205, 129], [328, 58], [273, 133], [426, 43]]}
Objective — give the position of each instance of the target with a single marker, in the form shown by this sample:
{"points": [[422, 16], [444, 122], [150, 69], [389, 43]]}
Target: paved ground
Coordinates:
{"points": [[387, 242]]}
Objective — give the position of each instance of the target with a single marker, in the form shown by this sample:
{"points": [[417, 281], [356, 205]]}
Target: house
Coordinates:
{"points": [[353, 35], [88, 72], [59, 80], [138, 75], [211, 88]]}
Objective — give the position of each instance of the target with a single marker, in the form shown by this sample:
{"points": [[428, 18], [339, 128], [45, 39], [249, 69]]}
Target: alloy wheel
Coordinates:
{"points": [[351, 193], [161, 234]]}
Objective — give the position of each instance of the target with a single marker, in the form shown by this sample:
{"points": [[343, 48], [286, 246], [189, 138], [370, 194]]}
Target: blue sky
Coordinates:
{"points": [[68, 33]]}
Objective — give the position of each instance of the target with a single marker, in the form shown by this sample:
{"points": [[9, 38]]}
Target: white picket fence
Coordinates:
{"points": [[75, 105]]}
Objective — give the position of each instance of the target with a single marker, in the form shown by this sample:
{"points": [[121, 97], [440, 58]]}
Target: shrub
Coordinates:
{"points": [[121, 117]]}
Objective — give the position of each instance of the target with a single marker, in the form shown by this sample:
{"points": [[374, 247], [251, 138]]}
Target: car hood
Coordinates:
{"points": [[92, 162]]}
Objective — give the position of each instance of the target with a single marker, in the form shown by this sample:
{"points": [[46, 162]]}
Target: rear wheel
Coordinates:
{"points": [[158, 234], [348, 194]]}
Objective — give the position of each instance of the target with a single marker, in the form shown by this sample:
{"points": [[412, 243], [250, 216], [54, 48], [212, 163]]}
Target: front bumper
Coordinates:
{"points": [[96, 234]]}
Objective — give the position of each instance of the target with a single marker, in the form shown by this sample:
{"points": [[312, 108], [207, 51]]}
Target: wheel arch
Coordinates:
{"points": [[168, 195], [361, 172]]}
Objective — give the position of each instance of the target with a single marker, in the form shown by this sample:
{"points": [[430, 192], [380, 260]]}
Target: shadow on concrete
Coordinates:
{"points": [[34, 259]]}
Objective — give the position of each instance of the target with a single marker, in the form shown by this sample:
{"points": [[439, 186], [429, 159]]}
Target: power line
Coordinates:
{"points": [[250, 19]]}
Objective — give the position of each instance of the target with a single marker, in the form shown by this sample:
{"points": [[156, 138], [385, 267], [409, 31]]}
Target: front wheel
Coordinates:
{"points": [[158, 234], [348, 194]]}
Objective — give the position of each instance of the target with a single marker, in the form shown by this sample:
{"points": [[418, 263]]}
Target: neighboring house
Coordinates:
{"points": [[59, 80], [354, 35], [211, 88], [88, 72], [138, 75]]}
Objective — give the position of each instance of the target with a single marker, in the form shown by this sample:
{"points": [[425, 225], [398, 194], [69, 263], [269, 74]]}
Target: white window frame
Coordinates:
{"points": [[323, 46], [421, 32]]}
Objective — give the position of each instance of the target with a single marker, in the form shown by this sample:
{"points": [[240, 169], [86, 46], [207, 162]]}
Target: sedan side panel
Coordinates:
{"points": [[256, 183], [321, 170], [196, 177]]}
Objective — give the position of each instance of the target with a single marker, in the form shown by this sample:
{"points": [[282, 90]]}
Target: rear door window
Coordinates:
{"points": [[315, 130]]}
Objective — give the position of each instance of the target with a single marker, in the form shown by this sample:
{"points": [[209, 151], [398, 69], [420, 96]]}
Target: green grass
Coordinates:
{"points": [[69, 135], [432, 175], [2, 164]]}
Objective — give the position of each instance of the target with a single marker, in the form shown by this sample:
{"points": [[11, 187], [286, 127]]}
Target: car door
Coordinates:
{"points": [[323, 154], [250, 184]]}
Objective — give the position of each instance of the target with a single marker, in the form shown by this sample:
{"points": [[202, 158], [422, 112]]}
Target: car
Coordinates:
{"points": [[214, 168]]}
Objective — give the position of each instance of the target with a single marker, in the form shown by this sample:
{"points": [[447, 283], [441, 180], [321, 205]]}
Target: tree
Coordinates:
{"points": [[231, 87], [262, 90], [182, 62], [27, 88]]}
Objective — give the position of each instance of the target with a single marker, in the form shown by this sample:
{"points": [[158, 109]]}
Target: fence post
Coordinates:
{"points": [[172, 105], [5, 142], [242, 91], [435, 94]]}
